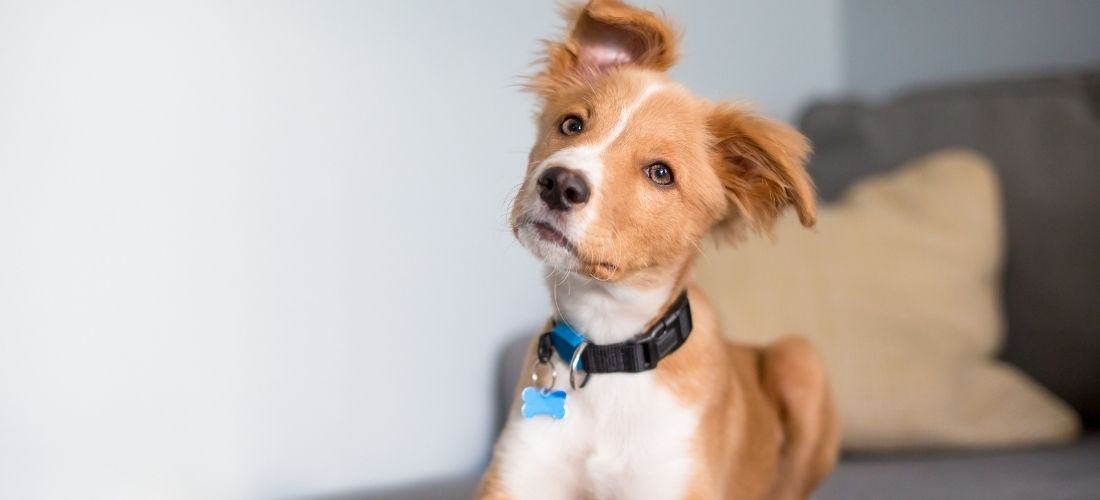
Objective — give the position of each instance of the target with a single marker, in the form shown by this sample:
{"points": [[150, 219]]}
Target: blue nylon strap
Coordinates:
{"points": [[566, 340]]}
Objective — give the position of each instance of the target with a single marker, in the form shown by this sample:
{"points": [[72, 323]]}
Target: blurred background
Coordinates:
{"points": [[259, 250]]}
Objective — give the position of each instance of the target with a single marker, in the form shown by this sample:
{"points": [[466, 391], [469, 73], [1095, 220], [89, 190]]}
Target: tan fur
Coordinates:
{"points": [[652, 40], [762, 166], [768, 429]]}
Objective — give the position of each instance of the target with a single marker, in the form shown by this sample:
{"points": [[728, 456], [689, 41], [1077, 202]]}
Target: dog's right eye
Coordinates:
{"points": [[572, 125]]}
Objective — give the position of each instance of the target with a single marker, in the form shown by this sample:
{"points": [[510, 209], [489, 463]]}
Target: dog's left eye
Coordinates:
{"points": [[572, 125], [659, 173]]}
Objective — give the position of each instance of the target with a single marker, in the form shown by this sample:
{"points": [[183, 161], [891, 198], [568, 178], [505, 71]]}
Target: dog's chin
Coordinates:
{"points": [[553, 254]]}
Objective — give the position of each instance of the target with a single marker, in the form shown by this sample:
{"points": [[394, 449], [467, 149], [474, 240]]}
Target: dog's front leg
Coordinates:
{"points": [[532, 461], [534, 457]]}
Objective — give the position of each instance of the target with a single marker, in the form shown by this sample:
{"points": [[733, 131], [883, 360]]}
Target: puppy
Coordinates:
{"points": [[633, 393]]}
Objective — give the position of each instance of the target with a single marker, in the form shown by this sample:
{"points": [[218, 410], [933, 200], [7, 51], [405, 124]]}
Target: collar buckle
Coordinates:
{"points": [[650, 353]]}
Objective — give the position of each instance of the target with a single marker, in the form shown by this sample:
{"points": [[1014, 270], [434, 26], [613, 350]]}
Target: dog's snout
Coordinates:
{"points": [[562, 188]]}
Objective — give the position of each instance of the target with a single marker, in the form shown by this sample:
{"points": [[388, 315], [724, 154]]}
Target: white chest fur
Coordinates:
{"points": [[625, 436]]}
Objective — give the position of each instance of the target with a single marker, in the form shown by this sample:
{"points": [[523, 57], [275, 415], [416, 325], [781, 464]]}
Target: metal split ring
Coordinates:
{"points": [[573, 367], [535, 374]]}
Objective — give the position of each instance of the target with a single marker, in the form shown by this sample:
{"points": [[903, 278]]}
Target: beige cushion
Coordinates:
{"points": [[898, 284]]}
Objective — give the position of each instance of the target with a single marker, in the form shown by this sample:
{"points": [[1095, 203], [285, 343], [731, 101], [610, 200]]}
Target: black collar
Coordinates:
{"points": [[636, 355]]}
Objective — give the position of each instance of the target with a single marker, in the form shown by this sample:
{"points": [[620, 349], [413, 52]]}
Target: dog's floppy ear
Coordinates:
{"points": [[602, 35], [760, 163]]}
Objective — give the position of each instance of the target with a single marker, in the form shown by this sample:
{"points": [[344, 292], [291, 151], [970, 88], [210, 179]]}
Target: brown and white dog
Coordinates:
{"points": [[630, 171]]}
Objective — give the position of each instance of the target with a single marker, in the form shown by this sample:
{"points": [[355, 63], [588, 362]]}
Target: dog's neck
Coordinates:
{"points": [[607, 312]]}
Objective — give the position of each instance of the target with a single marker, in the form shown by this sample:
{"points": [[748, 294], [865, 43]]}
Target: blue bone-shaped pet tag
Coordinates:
{"points": [[543, 402]]}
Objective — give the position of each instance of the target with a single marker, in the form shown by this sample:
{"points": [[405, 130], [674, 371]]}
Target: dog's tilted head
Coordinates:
{"points": [[630, 170]]}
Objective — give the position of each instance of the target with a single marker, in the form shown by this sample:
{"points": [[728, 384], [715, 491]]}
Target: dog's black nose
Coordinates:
{"points": [[562, 189]]}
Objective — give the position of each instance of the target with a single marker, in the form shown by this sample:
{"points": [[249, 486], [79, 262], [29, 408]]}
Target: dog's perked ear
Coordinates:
{"points": [[602, 35], [761, 165]]}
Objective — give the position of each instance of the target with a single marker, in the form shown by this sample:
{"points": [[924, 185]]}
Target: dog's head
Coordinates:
{"points": [[630, 170]]}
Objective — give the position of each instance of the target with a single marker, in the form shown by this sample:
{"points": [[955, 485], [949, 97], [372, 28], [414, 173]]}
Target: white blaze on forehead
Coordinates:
{"points": [[626, 114], [587, 160]]}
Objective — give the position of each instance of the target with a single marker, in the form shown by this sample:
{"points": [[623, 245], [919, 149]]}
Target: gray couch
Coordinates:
{"points": [[1043, 135]]}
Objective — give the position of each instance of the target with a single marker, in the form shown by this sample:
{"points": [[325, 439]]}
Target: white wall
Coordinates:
{"points": [[260, 250], [777, 55], [891, 45]]}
